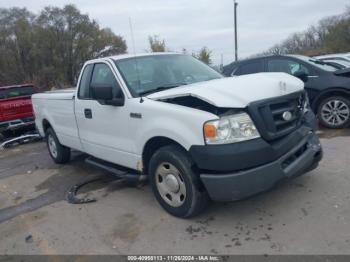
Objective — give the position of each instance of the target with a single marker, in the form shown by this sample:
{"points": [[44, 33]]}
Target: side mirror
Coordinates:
{"points": [[301, 75], [104, 94]]}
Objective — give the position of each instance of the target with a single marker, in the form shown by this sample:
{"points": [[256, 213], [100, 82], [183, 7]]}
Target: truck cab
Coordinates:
{"points": [[195, 134]]}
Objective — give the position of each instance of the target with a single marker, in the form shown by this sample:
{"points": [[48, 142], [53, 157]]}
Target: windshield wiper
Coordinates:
{"points": [[161, 88], [320, 62]]}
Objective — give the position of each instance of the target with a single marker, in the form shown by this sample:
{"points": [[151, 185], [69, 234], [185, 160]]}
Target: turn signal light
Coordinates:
{"points": [[209, 131]]}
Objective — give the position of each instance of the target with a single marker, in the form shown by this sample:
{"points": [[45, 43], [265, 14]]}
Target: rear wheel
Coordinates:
{"points": [[175, 184], [334, 112], [59, 153]]}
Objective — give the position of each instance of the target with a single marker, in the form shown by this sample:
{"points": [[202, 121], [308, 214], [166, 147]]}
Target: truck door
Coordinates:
{"points": [[103, 129]]}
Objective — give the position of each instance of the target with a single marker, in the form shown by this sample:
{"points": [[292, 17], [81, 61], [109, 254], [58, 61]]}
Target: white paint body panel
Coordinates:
{"points": [[114, 136], [58, 109], [237, 92]]}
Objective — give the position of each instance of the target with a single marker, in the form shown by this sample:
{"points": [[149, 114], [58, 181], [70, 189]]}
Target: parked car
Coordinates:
{"points": [[16, 112], [343, 57], [341, 64], [192, 132], [328, 87]]}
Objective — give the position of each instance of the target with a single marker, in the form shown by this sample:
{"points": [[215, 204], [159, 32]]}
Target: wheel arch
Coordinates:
{"points": [[46, 125], [336, 91], [152, 145]]}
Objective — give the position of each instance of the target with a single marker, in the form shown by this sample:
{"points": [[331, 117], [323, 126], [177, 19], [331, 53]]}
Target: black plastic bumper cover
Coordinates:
{"points": [[248, 154], [303, 157]]}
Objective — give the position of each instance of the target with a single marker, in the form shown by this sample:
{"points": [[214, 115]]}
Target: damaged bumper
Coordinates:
{"points": [[17, 124], [303, 157]]}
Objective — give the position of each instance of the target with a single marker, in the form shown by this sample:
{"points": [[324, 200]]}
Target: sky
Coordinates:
{"points": [[192, 24]]}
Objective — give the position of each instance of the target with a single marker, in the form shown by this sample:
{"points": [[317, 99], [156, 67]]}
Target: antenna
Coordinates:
{"points": [[132, 36], [135, 59]]}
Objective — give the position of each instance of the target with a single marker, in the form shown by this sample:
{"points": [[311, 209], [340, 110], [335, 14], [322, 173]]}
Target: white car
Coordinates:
{"points": [[193, 133]]}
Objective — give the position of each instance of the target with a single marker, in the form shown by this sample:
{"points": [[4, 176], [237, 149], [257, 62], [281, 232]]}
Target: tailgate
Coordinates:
{"points": [[15, 108]]}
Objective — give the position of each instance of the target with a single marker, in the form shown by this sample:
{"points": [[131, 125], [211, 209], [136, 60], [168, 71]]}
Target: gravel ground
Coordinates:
{"points": [[308, 215]]}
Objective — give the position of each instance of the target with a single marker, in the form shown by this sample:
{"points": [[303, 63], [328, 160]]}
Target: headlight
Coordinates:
{"points": [[230, 129]]}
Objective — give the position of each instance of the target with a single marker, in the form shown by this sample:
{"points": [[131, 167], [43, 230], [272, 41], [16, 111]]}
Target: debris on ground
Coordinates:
{"points": [[23, 139], [72, 192], [29, 239]]}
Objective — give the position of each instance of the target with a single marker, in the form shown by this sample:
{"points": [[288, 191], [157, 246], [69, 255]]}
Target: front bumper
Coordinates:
{"points": [[17, 124], [303, 157]]}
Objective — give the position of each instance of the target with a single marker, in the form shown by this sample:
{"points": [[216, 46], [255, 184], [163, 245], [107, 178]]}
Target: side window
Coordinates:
{"points": [[102, 76], [250, 68], [285, 66], [84, 86]]}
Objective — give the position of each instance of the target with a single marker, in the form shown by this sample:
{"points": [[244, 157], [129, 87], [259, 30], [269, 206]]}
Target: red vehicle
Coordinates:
{"points": [[16, 112]]}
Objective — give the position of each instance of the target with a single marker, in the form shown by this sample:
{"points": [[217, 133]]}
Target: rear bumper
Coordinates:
{"points": [[17, 124], [240, 184]]}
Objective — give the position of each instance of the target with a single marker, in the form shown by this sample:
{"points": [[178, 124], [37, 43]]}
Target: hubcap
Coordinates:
{"points": [[52, 146], [170, 184], [335, 112]]}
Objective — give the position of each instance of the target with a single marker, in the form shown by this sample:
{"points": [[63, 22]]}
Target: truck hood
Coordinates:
{"points": [[236, 92]]}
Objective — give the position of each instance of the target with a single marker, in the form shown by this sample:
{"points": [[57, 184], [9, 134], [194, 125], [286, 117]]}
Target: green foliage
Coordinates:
{"points": [[156, 45], [49, 49], [204, 55]]}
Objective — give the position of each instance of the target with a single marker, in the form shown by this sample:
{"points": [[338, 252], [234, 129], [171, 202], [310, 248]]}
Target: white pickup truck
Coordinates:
{"points": [[194, 134]]}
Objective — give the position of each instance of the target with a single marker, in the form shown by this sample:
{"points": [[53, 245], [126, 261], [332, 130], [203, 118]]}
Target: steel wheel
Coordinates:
{"points": [[52, 146], [335, 112], [170, 184]]}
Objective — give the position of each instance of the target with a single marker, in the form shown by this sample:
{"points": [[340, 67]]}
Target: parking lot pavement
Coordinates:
{"points": [[308, 215]]}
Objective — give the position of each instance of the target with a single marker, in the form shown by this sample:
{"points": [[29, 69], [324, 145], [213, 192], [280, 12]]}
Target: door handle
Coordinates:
{"points": [[88, 113]]}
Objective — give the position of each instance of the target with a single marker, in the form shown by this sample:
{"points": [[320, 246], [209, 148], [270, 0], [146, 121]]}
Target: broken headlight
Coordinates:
{"points": [[306, 105], [230, 129]]}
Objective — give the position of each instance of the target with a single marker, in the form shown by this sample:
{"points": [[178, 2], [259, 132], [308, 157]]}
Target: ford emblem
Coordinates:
{"points": [[287, 116]]}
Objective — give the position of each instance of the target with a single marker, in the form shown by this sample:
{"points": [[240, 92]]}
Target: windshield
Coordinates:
{"points": [[16, 91], [324, 65], [318, 63], [149, 74]]}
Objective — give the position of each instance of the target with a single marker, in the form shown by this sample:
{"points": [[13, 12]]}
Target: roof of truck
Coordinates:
{"points": [[14, 86], [126, 56]]}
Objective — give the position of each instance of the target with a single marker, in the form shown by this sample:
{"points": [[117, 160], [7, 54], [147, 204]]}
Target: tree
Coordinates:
{"points": [[50, 48], [16, 49], [156, 45], [204, 55], [330, 35]]}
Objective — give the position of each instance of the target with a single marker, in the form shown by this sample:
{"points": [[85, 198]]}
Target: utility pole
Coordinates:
{"points": [[222, 63], [236, 40]]}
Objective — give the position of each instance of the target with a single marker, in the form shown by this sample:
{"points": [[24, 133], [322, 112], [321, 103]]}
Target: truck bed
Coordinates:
{"points": [[62, 94], [57, 108]]}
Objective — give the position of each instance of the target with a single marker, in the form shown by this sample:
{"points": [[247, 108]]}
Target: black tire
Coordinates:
{"points": [[329, 122], [62, 155], [196, 197]]}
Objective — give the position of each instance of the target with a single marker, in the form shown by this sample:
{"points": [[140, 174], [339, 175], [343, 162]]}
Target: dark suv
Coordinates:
{"points": [[328, 87]]}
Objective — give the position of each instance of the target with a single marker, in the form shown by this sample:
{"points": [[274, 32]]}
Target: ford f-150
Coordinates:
{"points": [[196, 135]]}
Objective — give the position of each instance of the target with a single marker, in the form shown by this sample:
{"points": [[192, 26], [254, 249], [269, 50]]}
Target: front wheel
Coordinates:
{"points": [[334, 112], [175, 184], [59, 153]]}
